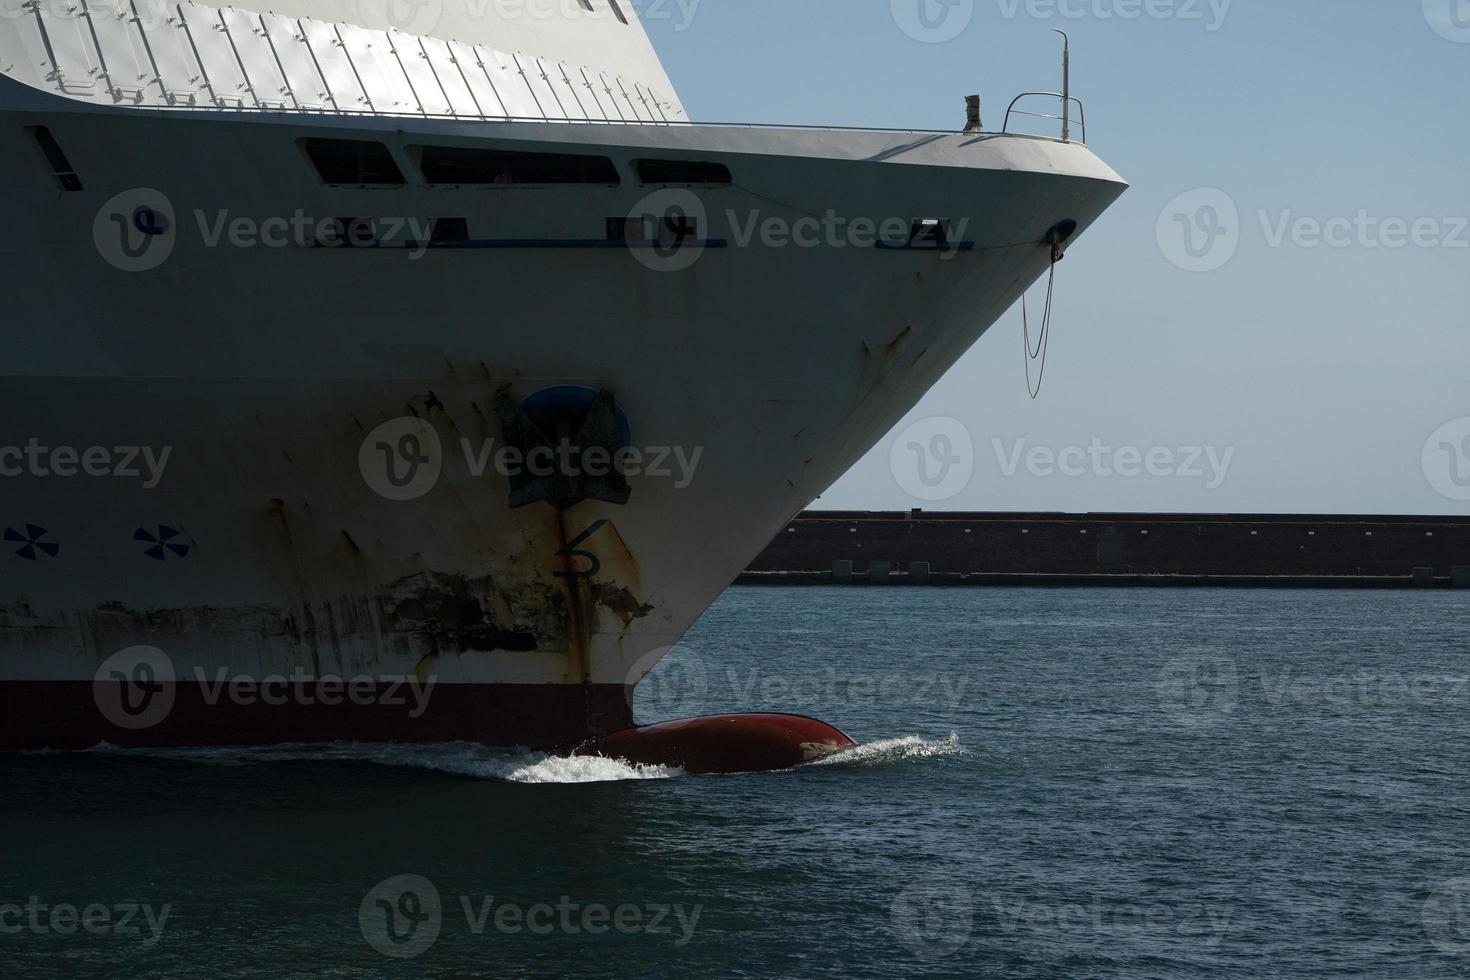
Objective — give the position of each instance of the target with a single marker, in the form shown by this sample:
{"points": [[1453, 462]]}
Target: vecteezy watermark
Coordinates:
{"points": [[1199, 231], [836, 231], [653, 11], [665, 231], [137, 689], [754, 686], [566, 458], [932, 21], [1210, 13], [1446, 459], [933, 459], [403, 459], [401, 917], [648, 11], [1450, 19], [1363, 230], [134, 688], [934, 918], [676, 682], [35, 459], [35, 917], [408, 16], [134, 231], [413, 235], [1204, 922], [1367, 688], [1208, 464], [1205, 687], [411, 693], [1446, 917], [148, 13], [404, 916], [1199, 688], [669, 682], [416, 16]]}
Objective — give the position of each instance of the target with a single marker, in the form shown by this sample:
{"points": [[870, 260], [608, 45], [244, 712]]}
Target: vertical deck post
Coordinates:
{"points": [[1066, 86]]}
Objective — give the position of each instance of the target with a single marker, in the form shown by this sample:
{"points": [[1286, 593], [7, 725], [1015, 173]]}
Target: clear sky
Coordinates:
{"points": [[1308, 339]]}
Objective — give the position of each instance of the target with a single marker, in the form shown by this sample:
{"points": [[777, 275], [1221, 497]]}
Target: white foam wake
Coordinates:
{"points": [[459, 759], [890, 750], [537, 768], [583, 769]]}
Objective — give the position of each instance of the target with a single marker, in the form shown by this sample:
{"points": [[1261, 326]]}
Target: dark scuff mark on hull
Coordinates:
{"points": [[579, 612], [423, 616], [620, 595], [895, 346], [875, 368], [112, 626], [19, 615], [620, 602], [289, 571], [454, 614]]}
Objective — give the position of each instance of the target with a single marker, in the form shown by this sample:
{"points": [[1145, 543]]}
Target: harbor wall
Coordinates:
{"points": [[961, 548]]}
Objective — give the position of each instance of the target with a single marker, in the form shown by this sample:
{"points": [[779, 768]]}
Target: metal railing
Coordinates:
{"points": [[559, 120], [1065, 95], [657, 124], [1065, 118]]}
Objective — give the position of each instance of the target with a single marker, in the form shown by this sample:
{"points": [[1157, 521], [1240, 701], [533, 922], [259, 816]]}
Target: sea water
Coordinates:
{"points": [[1068, 783]]}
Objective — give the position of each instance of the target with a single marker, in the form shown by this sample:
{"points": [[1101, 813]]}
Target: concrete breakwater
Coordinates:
{"points": [[1239, 550]]}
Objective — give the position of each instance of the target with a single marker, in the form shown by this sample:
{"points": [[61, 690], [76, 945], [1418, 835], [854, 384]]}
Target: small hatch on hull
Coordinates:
{"points": [[929, 233]]}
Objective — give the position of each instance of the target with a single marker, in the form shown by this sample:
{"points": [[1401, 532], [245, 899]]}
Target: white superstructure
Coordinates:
{"points": [[262, 348], [551, 60]]}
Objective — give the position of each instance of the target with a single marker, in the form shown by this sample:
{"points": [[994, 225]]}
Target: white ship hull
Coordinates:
{"points": [[261, 377]]}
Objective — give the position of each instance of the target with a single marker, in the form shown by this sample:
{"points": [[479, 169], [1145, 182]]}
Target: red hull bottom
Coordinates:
{"points": [[725, 744], [80, 714]]}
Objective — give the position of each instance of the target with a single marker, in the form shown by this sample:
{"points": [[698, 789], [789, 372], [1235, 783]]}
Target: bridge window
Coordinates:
{"points": [[353, 162], [682, 172], [467, 165], [617, 11]]}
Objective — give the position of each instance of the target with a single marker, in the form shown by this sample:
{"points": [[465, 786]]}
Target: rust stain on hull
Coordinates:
{"points": [[621, 603], [456, 614], [541, 590]]}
